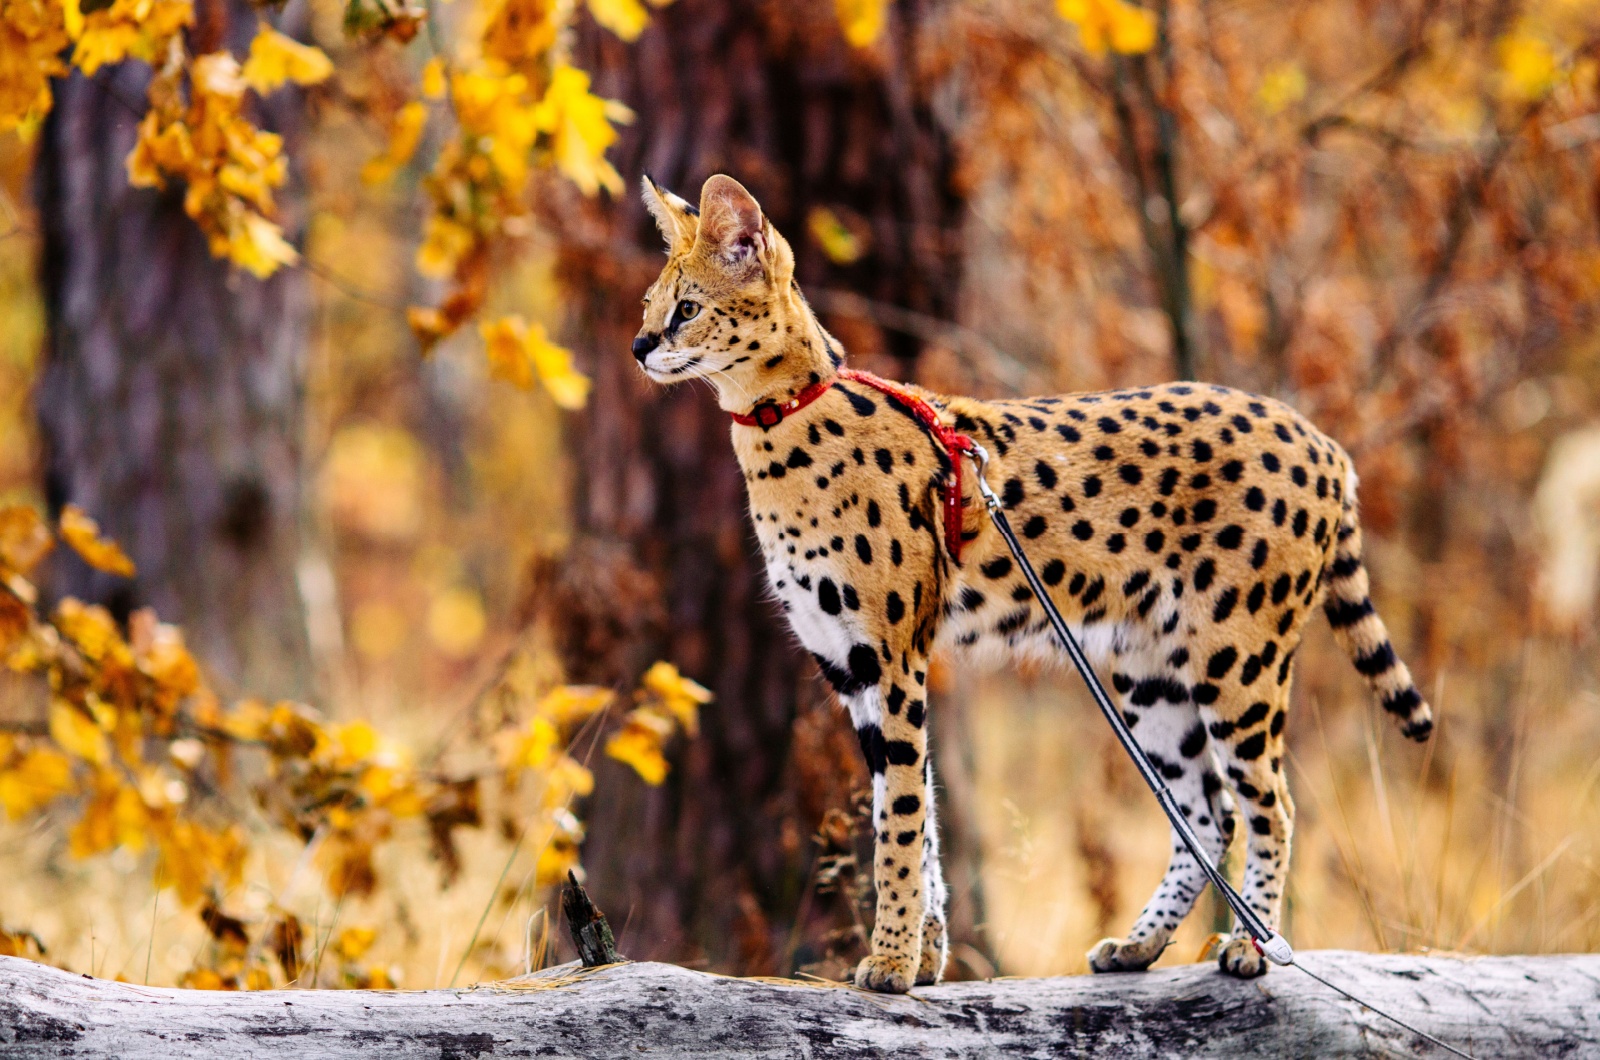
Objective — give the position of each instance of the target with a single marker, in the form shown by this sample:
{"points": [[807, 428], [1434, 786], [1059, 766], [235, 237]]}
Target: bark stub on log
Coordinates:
{"points": [[1501, 1007], [591, 932]]}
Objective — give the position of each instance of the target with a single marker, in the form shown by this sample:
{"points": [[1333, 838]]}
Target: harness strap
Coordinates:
{"points": [[956, 445], [768, 414]]}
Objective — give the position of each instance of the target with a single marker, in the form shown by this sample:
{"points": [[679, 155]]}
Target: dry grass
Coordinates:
{"points": [[1486, 840]]}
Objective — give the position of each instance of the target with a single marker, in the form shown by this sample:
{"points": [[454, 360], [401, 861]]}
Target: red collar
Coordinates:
{"points": [[768, 414]]}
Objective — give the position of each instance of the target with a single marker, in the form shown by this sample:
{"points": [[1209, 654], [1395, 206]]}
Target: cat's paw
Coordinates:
{"points": [[1239, 957], [935, 948], [887, 975], [1123, 955]]}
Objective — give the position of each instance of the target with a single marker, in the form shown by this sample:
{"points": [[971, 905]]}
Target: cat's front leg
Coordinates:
{"points": [[891, 721]]}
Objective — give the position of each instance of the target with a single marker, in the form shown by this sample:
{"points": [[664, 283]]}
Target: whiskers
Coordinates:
{"points": [[703, 372]]}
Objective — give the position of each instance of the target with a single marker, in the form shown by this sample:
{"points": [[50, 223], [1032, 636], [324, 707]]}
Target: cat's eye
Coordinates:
{"points": [[688, 310]]}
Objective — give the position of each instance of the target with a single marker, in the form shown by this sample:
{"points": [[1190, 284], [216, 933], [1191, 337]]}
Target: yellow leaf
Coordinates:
{"points": [[1282, 86], [626, 18], [24, 538], [20, 944], [456, 622], [404, 135], [444, 244], [77, 734], [503, 347], [1132, 29], [354, 941], [159, 652], [567, 387], [565, 780], [103, 45], [521, 31], [861, 20], [568, 704], [248, 721], [1529, 65], [1115, 24], [257, 245], [202, 979], [639, 744], [433, 78], [35, 780], [681, 696], [93, 630], [518, 352], [579, 127], [528, 748], [195, 859], [836, 240], [358, 741], [276, 59], [559, 857], [217, 74], [83, 534]]}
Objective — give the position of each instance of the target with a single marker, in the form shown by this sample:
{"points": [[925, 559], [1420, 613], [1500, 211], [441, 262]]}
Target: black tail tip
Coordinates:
{"points": [[1418, 730]]}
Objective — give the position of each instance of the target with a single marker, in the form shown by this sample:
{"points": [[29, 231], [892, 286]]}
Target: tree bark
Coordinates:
{"points": [[716, 864], [1502, 1007], [169, 399]]}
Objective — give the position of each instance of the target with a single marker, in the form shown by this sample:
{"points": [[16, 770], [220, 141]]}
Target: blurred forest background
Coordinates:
{"points": [[330, 338]]}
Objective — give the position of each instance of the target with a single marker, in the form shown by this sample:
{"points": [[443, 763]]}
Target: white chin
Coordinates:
{"points": [[673, 370]]}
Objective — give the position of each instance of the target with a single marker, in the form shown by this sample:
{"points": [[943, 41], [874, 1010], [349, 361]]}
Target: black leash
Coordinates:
{"points": [[1272, 945]]}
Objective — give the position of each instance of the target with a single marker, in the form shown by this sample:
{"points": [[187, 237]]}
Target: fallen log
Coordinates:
{"points": [[1501, 1007]]}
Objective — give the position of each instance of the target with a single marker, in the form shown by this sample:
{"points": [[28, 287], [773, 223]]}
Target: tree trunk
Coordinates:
{"points": [[716, 865], [1502, 1007], [169, 399]]}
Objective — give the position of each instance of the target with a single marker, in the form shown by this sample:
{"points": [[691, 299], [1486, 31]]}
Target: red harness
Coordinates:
{"points": [[769, 414]]}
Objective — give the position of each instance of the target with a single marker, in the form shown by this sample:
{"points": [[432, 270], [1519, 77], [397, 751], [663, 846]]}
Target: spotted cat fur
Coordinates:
{"points": [[1186, 531]]}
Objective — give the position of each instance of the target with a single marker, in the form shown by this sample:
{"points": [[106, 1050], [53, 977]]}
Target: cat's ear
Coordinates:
{"points": [[675, 216], [732, 229]]}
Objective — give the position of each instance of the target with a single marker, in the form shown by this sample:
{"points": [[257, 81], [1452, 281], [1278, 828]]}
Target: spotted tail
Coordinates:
{"points": [[1362, 634]]}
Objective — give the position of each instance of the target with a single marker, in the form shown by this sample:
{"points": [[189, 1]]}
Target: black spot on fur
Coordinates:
{"points": [[1225, 603], [863, 405], [998, 567], [1221, 662], [872, 748], [828, 596], [901, 753]]}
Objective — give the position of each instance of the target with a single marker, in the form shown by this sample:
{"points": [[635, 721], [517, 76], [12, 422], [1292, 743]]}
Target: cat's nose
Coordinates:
{"points": [[644, 344]]}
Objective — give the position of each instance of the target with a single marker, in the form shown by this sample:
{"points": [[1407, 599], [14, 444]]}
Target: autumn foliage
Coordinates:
{"points": [[1384, 213], [149, 758]]}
